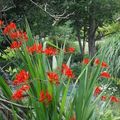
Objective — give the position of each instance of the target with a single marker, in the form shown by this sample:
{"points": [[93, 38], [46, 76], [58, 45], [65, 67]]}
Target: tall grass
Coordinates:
{"points": [[80, 104], [111, 47]]}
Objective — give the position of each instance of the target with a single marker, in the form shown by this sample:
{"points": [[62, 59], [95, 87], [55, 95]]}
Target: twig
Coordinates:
{"points": [[6, 9], [98, 38], [39, 6], [15, 104], [4, 74], [11, 111], [56, 18], [118, 19]]}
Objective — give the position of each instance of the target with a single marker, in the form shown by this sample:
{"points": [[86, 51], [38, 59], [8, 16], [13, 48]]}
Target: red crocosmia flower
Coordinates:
{"points": [[103, 98], [53, 77], [38, 48], [64, 66], [17, 95], [67, 71], [45, 97], [48, 97], [30, 49], [97, 61], [71, 49], [114, 99], [15, 44], [50, 51], [86, 61], [105, 74], [21, 77], [25, 37], [6, 30], [12, 25], [21, 35], [42, 96], [35, 48], [97, 91], [25, 88], [104, 65], [14, 35]]}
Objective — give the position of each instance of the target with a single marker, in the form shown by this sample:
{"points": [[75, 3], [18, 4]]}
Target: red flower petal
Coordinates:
{"points": [[114, 99], [12, 25], [42, 96], [21, 77], [48, 96], [45, 97], [15, 44], [103, 98], [17, 95], [97, 61], [104, 64], [86, 61], [53, 77], [97, 91], [67, 71], [35, 48], [71, 49], [25, 88], [105, 74], [50, 51]]}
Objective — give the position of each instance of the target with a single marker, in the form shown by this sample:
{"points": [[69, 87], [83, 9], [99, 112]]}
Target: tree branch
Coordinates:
{"points": [[6, 9], [39, 6], [118, 19], [100, 37], [8, 109], [56, 18], [15, 104]]}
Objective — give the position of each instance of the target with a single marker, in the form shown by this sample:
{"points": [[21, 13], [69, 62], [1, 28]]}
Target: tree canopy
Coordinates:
{"points": [[85, 16]]}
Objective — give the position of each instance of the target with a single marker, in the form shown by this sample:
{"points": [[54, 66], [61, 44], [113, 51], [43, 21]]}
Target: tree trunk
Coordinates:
{"points": [[84, 39], [91, 36], [80, 44], [91, 46], [0, 11]]}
